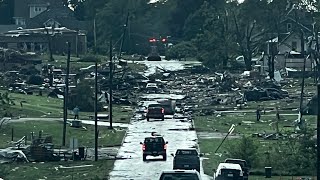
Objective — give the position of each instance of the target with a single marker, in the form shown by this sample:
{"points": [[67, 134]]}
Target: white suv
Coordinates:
{"points": [[180, 174]]}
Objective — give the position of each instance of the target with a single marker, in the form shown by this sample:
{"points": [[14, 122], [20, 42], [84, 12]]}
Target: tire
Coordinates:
{"points": [[147, 119], [164, 156], [144, 157]]}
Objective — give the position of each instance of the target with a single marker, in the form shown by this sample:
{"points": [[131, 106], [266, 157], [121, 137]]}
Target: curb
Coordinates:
{"points": [[125, 134]]}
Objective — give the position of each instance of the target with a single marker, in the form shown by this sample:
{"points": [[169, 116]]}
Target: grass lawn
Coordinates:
{"points": [[280, 177], [85, 137], [221, 124], [41, 106], [49, 170], [99, 170], [61, 62]]}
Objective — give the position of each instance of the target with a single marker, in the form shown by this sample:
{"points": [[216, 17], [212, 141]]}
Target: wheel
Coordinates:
{"points": [[164, 156], [144, 157], [147, 119]]}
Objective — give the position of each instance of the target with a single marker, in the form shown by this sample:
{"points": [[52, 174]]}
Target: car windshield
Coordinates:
{"points": [[187, 152], [154, 106], [179, 176]]}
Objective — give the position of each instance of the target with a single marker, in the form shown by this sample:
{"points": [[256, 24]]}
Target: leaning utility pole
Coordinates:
{"points": [[124, 35], [110, 85], [96, 113], [65, 98]]}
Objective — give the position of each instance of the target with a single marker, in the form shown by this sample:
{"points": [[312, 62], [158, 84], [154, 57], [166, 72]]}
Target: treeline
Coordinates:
{"points": [[213, 31]]}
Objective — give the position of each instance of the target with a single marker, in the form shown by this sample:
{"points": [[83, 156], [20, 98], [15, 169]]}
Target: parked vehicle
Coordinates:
{"points": [[155, 111], [168, 105], [228, 171], [244, 166], [180, 174], [154, 146], [152, 87], [187, 159]]}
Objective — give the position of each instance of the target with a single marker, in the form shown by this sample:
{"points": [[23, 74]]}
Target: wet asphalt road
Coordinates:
{"points": [[175, 131]]}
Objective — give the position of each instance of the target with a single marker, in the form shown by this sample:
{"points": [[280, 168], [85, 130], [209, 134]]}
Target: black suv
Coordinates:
{"points": [[155, 111], [154, 146]]}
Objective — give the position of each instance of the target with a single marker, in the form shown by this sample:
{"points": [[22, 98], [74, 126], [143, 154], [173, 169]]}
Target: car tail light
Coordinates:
{"points": [[162, 110], [143, 147], [165, 146]]}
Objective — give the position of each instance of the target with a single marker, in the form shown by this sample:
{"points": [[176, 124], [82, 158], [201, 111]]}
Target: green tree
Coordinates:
{"points": [[180, 13], [245, 149], [83, 97], [249, 34], [6, 11], [295, 155], [215, 38], [181, 50]]}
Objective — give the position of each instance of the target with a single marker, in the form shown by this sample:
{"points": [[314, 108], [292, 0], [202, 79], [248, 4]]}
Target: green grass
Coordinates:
{"points": [[61, 62], [85, 137], [278, 177], [99, 170], [211, 161], [42, 106], [223, 123]]}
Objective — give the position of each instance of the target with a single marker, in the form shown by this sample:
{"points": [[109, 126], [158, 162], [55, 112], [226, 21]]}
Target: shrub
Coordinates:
{"points": [[181, 50], [83, 97], [35, 80], [245, 149]]}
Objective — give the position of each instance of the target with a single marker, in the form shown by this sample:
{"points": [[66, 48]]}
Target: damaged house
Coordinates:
{"points": [[37, 22], [291, 43]]}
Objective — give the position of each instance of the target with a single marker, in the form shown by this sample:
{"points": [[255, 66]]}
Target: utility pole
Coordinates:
{"points": [[96, 113], [317, 52], [77, 39], [110, 85], [65, 98], [94, 34], [318, 133], [303, 75], [124, 34]]}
